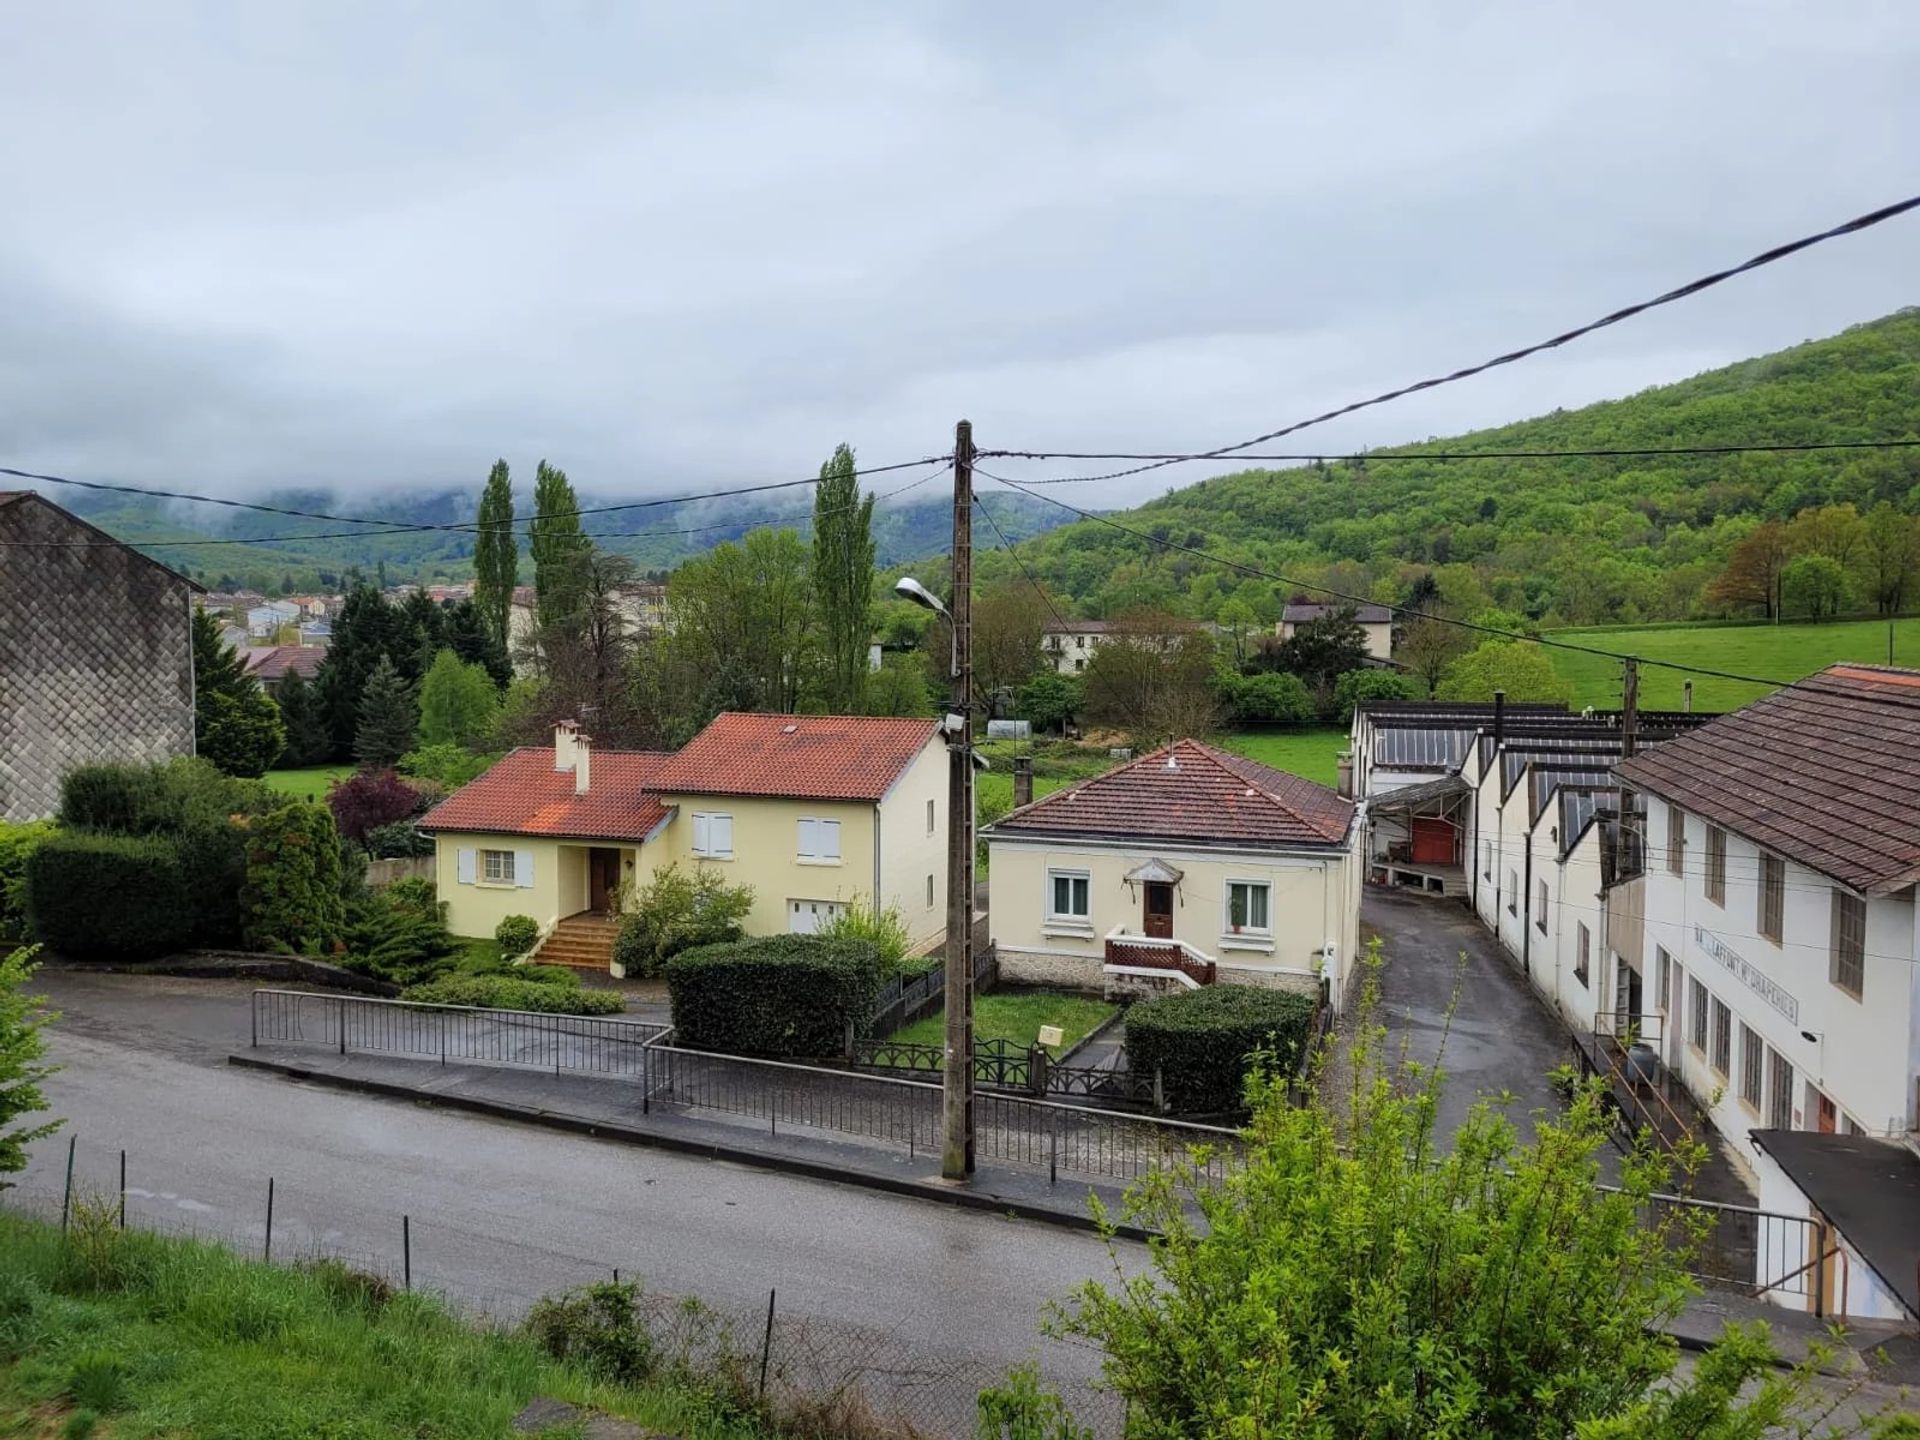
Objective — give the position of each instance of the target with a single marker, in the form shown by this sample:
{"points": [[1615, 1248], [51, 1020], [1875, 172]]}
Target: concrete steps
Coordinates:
{"points": [[580, 942]]}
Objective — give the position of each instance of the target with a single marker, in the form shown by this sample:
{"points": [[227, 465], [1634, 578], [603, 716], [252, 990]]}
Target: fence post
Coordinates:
{"points": [[343, 1024], [766, 1346], [266, 1252], [1053, 1156], [123, 1189], [443, 1037], [66, 1197], [253, 1018], [646, 1080], [1037, 1069], [406, 1252], [1159, 1092], [1820, 1271]]}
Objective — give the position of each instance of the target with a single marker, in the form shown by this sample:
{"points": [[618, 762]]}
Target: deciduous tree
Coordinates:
{"points": [[1753, 571], [458, 703], [842, 580], [1890, 557], [1429, 645], [496, 555], [1813, 585], [1008, 623], [1152, 677], [1520, 668]]}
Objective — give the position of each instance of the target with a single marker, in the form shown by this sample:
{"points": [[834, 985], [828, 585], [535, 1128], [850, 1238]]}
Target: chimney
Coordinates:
{"points": [[1686, 692], [1022, 780], [565, 743], [582, 763]]}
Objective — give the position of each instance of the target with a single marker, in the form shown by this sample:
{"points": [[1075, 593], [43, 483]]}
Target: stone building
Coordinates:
{"points": [[96, 653]]}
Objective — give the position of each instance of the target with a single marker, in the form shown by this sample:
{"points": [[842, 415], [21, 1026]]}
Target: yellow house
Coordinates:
{"points": [[815, 812], [1186, 867]]}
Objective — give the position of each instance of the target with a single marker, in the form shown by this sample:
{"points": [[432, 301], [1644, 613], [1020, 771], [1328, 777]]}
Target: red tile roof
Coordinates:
{"points": [[272, 662], [524, 795], [803, 757], [1825, 772], [1192, 792]]}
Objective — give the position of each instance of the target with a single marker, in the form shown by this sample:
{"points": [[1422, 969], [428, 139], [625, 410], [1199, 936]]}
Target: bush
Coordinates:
{"points": [[1358, 685], [597, 1327], [164, 799], [17, 842], [1272, 697], [675, 911], [516, 935], [778, 995], [884, 930], [546, 975], [369, 799], [109, 897], [401, 840], [1200, 1041], [449, 766], [506, 992], [400, 934], [292, 897]]}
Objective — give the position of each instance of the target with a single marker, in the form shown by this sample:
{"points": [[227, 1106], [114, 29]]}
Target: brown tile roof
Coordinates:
{"points": [[273, 662], [1302, 614], [1206, 796], [524, 795], [804, 757], [1825, 772]]}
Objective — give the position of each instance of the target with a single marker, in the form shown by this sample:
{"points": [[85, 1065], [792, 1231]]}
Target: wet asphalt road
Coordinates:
{"points": [[502, 1213]]}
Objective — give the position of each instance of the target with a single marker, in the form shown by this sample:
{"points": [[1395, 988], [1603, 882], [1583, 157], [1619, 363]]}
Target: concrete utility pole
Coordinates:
{"points": [[956, 1085]]}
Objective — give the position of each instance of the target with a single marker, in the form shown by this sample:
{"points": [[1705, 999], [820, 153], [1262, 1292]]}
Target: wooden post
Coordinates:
{"points": [[266, 1251], [956, 1161], [66, 1196]]}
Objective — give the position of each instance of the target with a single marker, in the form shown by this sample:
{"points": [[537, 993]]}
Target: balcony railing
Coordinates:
{"points": [[1149, 952]]}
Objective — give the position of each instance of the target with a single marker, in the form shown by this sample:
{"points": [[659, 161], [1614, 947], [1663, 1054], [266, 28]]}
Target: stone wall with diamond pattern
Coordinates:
{"points": [[96, 655]]}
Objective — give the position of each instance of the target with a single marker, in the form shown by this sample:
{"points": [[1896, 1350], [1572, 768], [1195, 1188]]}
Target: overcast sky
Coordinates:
{"points": [[376, 246]]}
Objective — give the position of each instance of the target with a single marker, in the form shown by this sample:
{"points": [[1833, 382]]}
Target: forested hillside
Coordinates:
{"points": [[1576, 541]]}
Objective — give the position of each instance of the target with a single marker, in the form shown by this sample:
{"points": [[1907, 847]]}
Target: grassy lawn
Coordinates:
{"points": [[995, 788], [1778, 652], [1017, 1017], [309, 783], [121, 1333], [1311, 752]]}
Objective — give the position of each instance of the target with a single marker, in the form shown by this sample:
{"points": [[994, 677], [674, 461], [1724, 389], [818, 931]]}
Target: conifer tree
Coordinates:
{"points": [[387, 718]]}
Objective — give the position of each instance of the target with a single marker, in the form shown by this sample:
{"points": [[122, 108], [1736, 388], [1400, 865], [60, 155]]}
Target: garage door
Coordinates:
{"points": [[805, 917]]}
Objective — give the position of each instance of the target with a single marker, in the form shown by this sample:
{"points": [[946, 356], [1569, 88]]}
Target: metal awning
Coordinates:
{"points": [[1419, 797], [1157, 871]]}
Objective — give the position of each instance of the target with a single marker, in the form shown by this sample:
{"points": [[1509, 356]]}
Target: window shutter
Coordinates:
{"points": [[463, 863], [701, 835], [829, 839], [523, 869], [809, 839], [723, 834]]}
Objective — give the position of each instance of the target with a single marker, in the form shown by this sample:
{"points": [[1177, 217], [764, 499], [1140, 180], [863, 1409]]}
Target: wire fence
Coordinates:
{"points": [[821, 1376]]}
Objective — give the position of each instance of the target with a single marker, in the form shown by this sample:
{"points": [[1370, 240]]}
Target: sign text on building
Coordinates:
{"points": [[1762, 985]]}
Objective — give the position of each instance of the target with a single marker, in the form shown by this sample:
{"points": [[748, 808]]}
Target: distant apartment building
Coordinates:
{"points": [[96, 653], [1376, 620], [642, 607]]}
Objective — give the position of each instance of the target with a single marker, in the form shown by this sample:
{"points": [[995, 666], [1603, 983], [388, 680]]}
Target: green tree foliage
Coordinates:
{"points": [[235, 723], [842, 580], [1009, 623], [898, 687], [468, 636], [1358, 685], [1518, 667], [1048, 701], [1319, 652], [676, 910], [447, 766], [388, 718], [291, 900], [496, 556], [1272, 697], [22, 1063], [1890, 558], [400, 934], [743, 621], [559, 548], [1813, 586], [18, 840], [1152, 677], [308, 741], [458, 703], [367, 631]]}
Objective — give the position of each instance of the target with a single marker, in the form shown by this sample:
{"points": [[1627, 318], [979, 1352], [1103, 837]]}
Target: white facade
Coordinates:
{"points": [[1816, 1044], [1379, 636], [1068, 650]]}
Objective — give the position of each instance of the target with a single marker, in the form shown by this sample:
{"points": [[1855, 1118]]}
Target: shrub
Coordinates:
{"points": [[163, 799], [516, 935], [1358, 685], [291, 900], [401, 840], [17, 842], [449, 766], [779, 995], [1272, 697], [546, 975], [884, 930], [109, 897], [1200, 1040], [401, 934], [213, 866], [677, 911], [369, 799], [506, 992], [598, 1327]]}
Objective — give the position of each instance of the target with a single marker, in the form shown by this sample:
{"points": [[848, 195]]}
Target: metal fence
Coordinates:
{"points": [[906, 998], [1757, 1252], [521, 1039]]}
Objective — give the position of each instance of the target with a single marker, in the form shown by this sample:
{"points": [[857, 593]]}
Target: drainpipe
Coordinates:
{"points": [[1526, 912]]}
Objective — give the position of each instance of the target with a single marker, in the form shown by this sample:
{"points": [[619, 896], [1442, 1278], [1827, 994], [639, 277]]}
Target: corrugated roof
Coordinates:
{"points": [[804, 757], [1204, 796], [524, 795], [1825, 772]]}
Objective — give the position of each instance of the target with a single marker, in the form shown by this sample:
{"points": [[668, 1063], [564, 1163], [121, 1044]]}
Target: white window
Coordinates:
{"points": [[929, 817], [712, 835], [1247, 905], [820, 841], [496, 867], [1068, 895], [929, 892], [809, 917]]}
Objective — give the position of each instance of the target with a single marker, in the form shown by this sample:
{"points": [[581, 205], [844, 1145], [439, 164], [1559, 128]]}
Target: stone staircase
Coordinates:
{"points": [[580, 942]]}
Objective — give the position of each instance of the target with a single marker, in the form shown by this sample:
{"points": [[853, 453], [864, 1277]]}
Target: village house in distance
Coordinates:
{"points": [[96, 654]]}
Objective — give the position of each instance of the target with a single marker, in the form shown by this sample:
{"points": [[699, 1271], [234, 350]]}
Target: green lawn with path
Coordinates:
{"points": [[1312, 752], [1775, 652], [310, 782], [1016, 1016]]}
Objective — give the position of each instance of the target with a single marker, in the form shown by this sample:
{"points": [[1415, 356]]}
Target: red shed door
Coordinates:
{"points": [[1432, 841]]}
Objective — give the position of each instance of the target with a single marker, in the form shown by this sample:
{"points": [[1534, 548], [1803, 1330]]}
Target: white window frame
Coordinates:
{"points": [[703, 836], [818, 840], [503, 874], [1067, 918], [1263, 932], [931, 823]]}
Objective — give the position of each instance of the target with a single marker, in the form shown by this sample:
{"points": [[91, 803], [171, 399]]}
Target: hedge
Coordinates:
{"points": [[109, 897], [779, 995], [17, 842], [291, 900], [507, 992], [1199, 1040]]}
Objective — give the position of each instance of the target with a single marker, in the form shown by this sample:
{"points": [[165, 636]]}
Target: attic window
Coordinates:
{"points": [[789, 729]]}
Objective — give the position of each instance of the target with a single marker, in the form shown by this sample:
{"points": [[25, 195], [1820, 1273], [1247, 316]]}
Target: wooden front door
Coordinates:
{"points": [[1159, 909], [603, 878], [1827, 1113]]}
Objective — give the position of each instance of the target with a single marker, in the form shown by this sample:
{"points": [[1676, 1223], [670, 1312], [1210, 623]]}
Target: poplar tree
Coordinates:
{"points": [[496, 554], [559, 548], [843, 578]]}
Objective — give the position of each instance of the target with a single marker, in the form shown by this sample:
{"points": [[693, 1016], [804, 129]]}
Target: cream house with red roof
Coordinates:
{"points": [[1189, 866], [816, 813]]}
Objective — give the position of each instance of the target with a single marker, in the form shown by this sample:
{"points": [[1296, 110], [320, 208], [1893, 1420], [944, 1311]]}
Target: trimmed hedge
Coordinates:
{"points": [[784, 996], [17, 843], [109, 897], [516, 935], [291, 900], [1200, 1041], [506, 992]]}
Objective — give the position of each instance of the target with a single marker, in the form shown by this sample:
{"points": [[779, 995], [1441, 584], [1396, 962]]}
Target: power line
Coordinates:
{"points": [[1007, 545], [1258, 573], [1692, 287]]}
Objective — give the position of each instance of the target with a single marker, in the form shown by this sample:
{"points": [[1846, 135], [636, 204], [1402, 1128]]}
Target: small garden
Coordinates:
{"points": [[1015, 1018]]}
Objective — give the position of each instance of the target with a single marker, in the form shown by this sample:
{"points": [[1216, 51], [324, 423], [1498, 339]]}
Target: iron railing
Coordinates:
{"points": [[906, 998], [520, 1039]]}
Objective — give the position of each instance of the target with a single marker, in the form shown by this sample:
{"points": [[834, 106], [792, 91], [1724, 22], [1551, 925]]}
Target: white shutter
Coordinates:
{"points": [[722, 834], [829, 841], [700, 835], [523, 869], [463, 862], [809, 839]]}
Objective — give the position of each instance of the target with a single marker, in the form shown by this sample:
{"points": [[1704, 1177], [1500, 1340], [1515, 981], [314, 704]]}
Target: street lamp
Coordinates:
{"points": [[908, 588]]}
